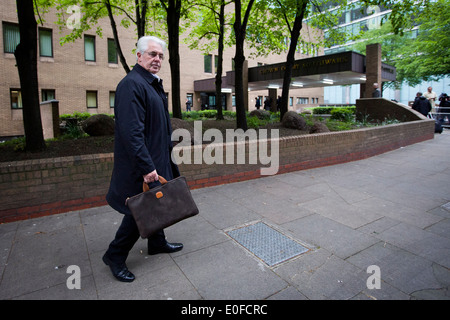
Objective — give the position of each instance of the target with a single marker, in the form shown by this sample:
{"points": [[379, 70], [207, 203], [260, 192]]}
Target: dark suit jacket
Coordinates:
{"points": [[422, 105], [142, 136]]}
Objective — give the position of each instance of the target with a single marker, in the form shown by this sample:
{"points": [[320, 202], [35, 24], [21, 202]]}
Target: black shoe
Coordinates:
{"points": [[121, 272], [166, 248]]}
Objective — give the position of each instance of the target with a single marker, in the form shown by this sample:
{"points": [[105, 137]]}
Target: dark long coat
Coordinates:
{"points": [[422, 105], [142, 136]]}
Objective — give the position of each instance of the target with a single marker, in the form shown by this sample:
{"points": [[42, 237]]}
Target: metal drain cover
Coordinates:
{"points": [[266, 243]]}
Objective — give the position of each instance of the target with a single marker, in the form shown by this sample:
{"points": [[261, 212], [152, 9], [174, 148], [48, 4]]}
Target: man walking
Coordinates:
{"points": [[141, 151]]}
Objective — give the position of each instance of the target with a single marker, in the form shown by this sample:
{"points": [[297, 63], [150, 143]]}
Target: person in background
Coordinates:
{"points": [[444, 108], [257, 103], [431, 96], [188, 105], [376, 91], [421, 104]]}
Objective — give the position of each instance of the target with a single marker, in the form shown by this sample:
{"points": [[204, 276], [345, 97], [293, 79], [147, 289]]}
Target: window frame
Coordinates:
{"points": [[86, 36], [109, 42], [114, 99], [87, 99], [207, 64], [45, 92], [51, 42], [5, 46], [19, 102]]}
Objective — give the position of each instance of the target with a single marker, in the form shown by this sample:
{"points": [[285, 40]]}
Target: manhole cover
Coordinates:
{"points": [[266, 243]]}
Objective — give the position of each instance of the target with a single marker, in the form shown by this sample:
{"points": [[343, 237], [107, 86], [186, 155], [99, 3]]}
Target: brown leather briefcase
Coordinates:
{"points": [[162, 206]]}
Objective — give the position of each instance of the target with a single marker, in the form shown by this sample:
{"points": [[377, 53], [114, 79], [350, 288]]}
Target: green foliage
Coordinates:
{"points": [[343, 114], [419, 54], [254, 122], [205, 114], [337, 125], [200, 114], [204, 22], [309, 119], [18, 144], [229, 114], [329, 109], [79, 116]]}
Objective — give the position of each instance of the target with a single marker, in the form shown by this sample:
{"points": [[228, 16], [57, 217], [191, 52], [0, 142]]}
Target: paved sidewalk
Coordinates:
{"points": [[391, 211]]}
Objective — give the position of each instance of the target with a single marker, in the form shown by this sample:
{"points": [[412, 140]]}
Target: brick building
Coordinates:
{"points": [[83, 75]]}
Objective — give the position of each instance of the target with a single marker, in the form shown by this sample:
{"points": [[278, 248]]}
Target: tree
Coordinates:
{"points": [[93, 10], [427, 57], [211, 27], [390, 44], [240, 31], [288, 14], [285, 19], [418, 58], [173, 10], [26, 57], [294, 31]]}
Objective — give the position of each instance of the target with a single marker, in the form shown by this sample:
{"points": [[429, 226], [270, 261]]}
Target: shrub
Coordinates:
{"points": [[343, 114], [254, 122], [328, 110], [80, 116]]}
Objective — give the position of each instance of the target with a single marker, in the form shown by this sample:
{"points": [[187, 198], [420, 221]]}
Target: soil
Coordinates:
{"points": [[105, 144]]}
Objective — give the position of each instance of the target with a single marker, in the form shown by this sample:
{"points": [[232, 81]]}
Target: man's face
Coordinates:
{"points": [[152, 58], [429, 89]]}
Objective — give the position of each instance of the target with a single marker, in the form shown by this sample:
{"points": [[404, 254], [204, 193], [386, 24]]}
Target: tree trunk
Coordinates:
{"points": [[220, 63], [26, 57], [173, 19], [240, 30], [295, 34], [122, 59], [141, 11]]}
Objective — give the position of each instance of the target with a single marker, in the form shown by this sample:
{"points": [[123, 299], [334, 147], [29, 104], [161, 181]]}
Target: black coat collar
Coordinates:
{"points": [[148, 76]]}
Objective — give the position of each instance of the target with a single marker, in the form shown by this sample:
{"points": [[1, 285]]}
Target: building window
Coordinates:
{"points": [[48, 95], [112, 98], [112, 52], [208, 63], [16, 99], [45, 43], [89, 48], [11, 37], [91, 99], [291, 101], [302, 100]]}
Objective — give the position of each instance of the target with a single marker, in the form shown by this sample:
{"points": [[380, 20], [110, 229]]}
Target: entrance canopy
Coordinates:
{"points": [[338, 69]]}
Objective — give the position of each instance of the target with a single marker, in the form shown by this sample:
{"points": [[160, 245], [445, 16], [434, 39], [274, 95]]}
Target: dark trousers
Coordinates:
{"points": [[126, 236]]}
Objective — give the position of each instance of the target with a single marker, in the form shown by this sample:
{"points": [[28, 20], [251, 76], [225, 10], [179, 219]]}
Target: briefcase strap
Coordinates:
{"points": [[160, 179]]}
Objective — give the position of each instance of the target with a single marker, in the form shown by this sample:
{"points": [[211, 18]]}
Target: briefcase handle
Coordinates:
{"points": [[160, 179]]}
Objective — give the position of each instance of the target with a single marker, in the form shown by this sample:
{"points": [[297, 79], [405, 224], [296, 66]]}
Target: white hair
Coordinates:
{"points": [[142, 44]]}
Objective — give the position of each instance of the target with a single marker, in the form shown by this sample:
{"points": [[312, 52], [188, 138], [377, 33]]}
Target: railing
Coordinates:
{"points": [[438, 115]]}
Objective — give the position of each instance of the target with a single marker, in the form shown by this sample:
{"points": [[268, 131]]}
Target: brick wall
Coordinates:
{"points": [[48, 186], [381, 109]]}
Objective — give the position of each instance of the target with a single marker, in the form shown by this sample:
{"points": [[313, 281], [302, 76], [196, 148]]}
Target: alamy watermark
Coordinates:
{"points": [[374, 280], [74, 280], [252, 147], [74, 20]]}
